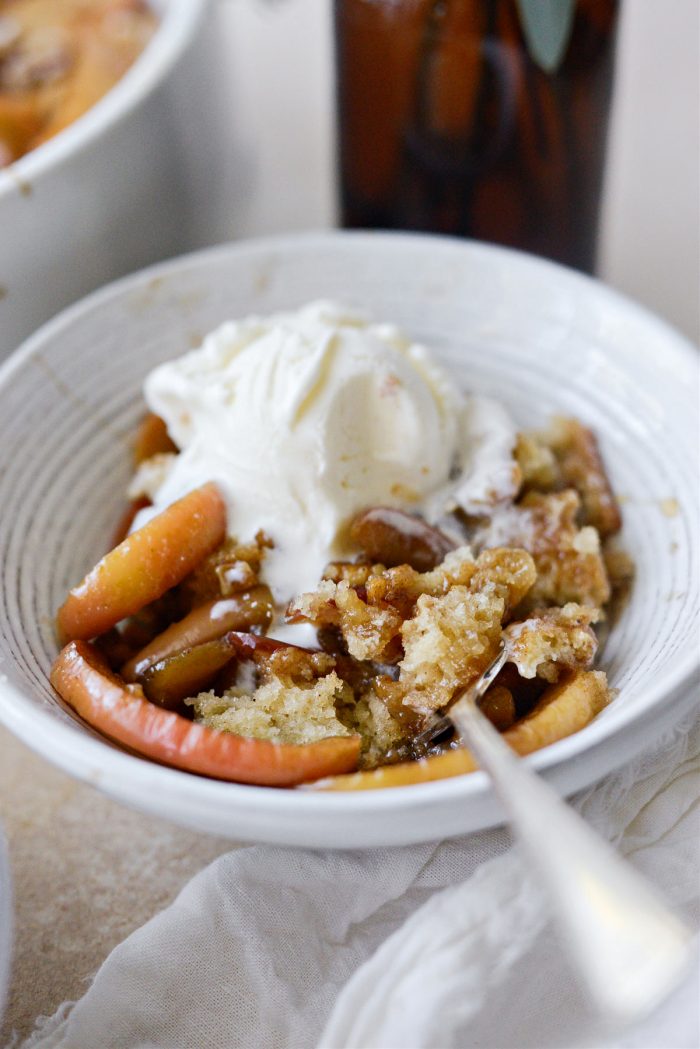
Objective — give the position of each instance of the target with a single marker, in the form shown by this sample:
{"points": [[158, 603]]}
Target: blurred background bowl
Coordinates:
{"points": [[112, 191]]}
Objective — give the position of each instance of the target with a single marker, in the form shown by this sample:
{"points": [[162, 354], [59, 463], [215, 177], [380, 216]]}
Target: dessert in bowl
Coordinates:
{"points": [[329, 540], [525, 333]]}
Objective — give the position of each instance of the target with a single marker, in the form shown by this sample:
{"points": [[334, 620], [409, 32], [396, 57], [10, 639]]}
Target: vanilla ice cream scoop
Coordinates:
{"points": [[303, 419]]}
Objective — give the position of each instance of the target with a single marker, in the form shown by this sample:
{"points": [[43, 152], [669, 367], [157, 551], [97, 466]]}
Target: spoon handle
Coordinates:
{"points": [[625, 943]]}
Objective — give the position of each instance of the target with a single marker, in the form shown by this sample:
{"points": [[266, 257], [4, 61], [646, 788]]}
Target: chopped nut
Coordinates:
{"points": [[210, 580], [567, 456], [569, 564], [581, 466], [537, 464]]}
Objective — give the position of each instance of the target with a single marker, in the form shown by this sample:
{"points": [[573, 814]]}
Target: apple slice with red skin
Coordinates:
{"points": [[146, 564], [86, 683]]}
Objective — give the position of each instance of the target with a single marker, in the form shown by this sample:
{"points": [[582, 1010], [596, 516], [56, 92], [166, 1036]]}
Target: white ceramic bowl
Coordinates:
{"points": [[107, 194], [540, 337]]}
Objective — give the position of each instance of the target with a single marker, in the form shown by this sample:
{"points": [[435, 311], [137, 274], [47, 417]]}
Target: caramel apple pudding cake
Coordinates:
{"points": [[59, 57], [326, 540]]}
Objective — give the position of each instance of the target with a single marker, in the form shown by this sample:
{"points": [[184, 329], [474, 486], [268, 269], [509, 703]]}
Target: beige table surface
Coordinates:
{"points": [[86, 873]]}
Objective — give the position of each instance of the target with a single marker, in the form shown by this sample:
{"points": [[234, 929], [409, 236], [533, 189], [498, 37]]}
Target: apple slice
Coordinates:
{"points": [[152, 438], [249, 608], [144, 565], [562, 709], [175, 677], [86, 683]]}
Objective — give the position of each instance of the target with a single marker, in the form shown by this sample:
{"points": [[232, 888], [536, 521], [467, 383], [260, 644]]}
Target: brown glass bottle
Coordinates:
{"points": [[447, 123]]}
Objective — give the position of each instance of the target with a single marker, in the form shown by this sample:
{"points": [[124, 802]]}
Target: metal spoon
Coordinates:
{"points": [[627, 946]]}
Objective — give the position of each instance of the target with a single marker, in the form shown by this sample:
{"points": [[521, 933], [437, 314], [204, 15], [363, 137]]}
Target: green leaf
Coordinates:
{"points": [[547, 26]]}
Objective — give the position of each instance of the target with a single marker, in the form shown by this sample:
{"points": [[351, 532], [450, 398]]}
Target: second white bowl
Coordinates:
{"points": [[107, 194]]}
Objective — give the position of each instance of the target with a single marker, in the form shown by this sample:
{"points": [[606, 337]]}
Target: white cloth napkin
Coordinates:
{"points": [[444, 945]]}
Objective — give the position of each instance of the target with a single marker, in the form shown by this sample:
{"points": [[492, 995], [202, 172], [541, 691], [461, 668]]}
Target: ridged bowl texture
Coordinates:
{"points": [[539, 337]]}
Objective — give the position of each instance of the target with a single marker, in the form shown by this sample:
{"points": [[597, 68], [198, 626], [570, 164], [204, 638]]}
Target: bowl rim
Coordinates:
{"points": [[87, 756], [178, 23]]}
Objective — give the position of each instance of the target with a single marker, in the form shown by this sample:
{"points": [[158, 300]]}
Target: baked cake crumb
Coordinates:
{"points": [[400, 642], [552, 639], [277, 710]]}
